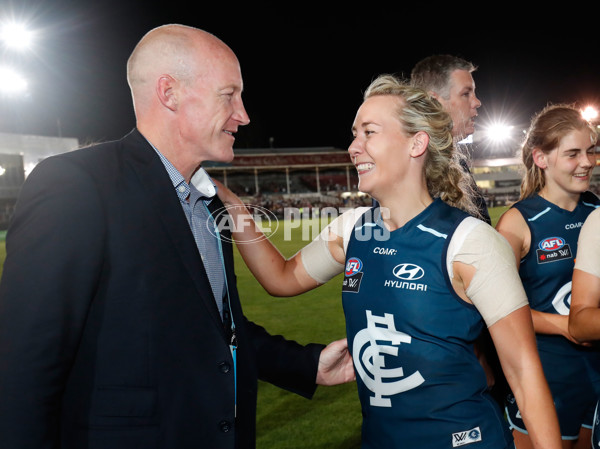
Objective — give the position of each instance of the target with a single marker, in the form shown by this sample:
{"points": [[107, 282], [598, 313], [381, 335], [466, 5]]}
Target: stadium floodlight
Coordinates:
{"points": [[589, 113], [499, 132], [16, 36], [11, 83]]}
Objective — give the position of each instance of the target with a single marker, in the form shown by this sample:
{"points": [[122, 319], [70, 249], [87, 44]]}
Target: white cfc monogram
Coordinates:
{"points": [[370, 362]]}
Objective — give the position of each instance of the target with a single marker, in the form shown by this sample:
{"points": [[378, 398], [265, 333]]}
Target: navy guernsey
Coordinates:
{"points": [[572, 371], [411, 337], [547, 269]]}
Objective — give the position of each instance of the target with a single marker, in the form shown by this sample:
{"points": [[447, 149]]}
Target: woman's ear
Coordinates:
{"points": [[166, 91], [539, 158], [420, 142]]}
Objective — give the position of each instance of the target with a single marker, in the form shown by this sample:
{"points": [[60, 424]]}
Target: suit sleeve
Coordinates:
{"points": [[285, 363], [54, 246]]}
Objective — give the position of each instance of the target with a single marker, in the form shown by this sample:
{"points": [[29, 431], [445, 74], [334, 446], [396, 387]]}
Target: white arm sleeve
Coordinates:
{"points": [[588, 246], [316, 257], [496, 289]]}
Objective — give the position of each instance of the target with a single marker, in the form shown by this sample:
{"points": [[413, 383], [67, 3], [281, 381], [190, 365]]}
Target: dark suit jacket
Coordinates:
{"points": [[109, 333]]}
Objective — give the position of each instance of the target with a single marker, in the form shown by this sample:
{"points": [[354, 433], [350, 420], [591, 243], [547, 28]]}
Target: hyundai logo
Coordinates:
{"points": [[408, 271]]}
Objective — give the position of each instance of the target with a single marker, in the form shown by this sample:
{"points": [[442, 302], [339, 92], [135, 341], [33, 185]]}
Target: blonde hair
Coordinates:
{"points": [[547, 129], [419, 111]]}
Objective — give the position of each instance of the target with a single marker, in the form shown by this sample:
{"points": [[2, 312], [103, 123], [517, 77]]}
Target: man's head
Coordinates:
{"points": [[187, 87], [448, 78]]}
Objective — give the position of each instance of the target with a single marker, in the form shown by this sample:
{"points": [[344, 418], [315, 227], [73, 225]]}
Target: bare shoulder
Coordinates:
{"points": [[510, 220], [514, 228]]}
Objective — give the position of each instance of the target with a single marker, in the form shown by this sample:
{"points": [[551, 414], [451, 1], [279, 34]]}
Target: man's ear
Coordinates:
{"points": [[539, 158], [166, 91], [439, 98], [420, 142]]}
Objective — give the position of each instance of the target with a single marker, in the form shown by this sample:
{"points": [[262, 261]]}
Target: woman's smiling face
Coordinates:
{"points": [[380, 148]]}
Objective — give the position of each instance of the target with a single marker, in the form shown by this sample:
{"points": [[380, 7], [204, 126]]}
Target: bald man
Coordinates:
{"points": [[120, 321]]}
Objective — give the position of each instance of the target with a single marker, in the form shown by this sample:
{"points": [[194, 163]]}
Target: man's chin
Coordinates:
{"points": [[225, 156], [463, 134], [229, 157]]}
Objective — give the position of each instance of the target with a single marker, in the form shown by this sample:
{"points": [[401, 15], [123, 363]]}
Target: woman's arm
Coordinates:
{"points": [[493, 285], [552, 324], [584, 316], [514, 339], [514, 229], [278, 275]]}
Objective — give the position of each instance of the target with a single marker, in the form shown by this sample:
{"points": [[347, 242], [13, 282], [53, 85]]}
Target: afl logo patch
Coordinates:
{"points": [[551, 244], [408, 271], [553, 249], [353, 266], [353, 275]]}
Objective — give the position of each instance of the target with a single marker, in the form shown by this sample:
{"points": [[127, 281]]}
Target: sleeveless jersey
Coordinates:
{"points": [[547, 269], [411, 338]]}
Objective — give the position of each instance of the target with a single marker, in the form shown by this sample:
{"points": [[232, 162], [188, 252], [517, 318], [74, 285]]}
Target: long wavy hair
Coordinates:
{"points": [[547, 129], [419, 111]]}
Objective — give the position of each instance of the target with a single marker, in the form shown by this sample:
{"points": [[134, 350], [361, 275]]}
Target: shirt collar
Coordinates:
{"points": [[200, 180]]}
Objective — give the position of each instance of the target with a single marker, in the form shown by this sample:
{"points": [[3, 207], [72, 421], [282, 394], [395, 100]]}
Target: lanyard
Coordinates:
{"points": [[233, 342]]}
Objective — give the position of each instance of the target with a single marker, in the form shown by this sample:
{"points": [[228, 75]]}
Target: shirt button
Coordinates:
{"points": [[181, 189], [225, 426], [224, 367]]}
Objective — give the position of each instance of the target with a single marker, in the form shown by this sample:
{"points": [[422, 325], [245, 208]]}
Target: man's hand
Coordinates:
{"points": [[335, 364]]}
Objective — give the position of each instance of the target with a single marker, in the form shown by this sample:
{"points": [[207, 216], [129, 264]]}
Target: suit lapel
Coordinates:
{"points": [[161, 196]]}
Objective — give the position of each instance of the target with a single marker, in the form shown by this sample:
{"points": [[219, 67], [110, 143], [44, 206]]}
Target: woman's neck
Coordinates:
{"points": [[398, 210], [564, 200]]}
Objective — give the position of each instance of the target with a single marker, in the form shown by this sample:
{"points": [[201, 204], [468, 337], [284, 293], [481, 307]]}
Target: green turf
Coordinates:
{"points": [[332, 418], [496, 212], [284, 420]]}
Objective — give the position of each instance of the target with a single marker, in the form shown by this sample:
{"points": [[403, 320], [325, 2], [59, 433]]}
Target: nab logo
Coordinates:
{"points": [[353, 266], [552, 244], [408, 271]]}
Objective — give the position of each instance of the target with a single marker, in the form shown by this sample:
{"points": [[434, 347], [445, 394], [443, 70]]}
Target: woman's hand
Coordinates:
{"points": [[226, 195]]}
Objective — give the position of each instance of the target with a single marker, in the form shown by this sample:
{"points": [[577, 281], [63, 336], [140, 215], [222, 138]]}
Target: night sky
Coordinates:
{"points": [[305, 65]]}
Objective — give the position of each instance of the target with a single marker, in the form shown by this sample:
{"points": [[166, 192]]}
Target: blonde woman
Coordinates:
{"points": [[422, 278]]}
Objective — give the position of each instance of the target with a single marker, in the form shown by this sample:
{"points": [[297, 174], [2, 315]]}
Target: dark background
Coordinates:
{"points": [[305, 65]]}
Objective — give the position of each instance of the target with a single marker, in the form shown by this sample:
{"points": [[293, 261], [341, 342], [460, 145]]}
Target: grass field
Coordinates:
{"points": [[332, 418]]}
